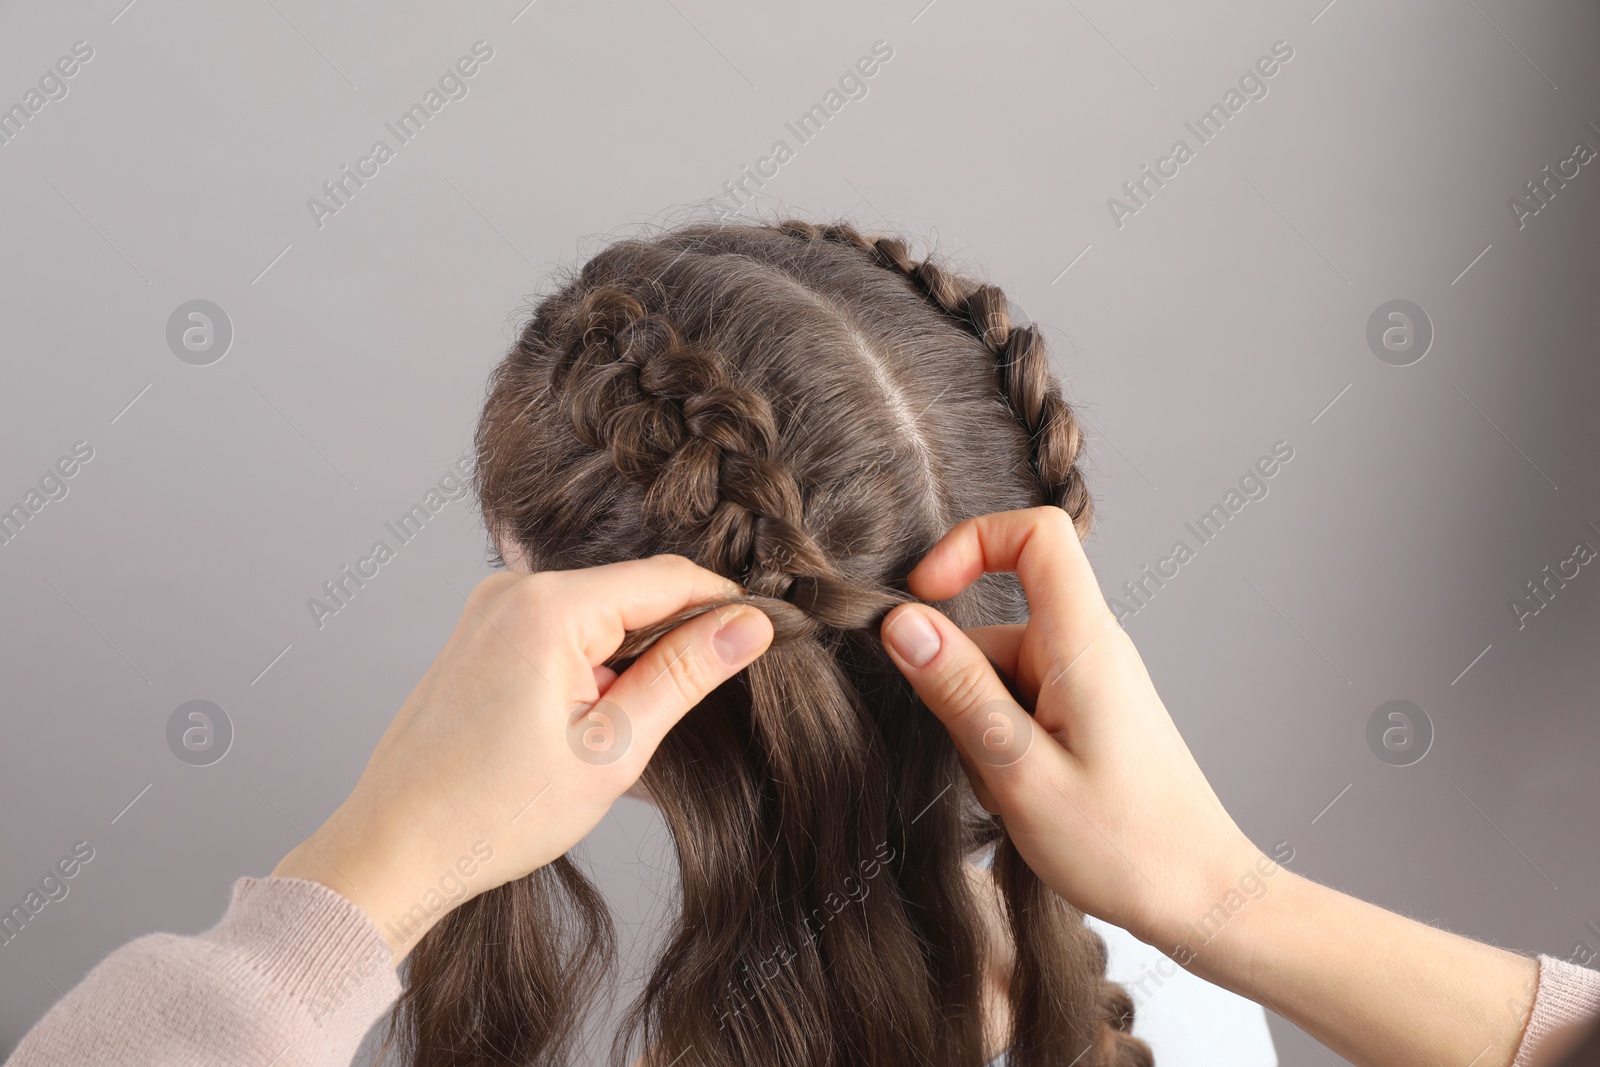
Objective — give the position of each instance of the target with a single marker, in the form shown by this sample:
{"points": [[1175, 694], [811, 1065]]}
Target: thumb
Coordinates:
{"points": [[675, 673], [959, 685]]}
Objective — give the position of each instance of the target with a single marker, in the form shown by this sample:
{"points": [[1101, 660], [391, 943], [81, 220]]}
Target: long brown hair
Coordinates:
{"points": [[807, 411]]}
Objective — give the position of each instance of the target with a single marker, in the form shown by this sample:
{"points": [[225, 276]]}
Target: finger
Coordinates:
{"points": [[671, 676], [1039, 544], [601, 604], [979, 788], [603, 677], [959, 685], [1000, 644], [1005, 646]]}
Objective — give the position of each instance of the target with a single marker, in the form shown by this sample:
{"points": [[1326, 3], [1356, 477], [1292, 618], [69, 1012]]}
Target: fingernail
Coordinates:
{"points": [[739, 637], [914, 638]]}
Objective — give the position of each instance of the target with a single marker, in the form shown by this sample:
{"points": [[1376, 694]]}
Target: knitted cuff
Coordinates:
{"points": [[314, 947], [1567, 994]]}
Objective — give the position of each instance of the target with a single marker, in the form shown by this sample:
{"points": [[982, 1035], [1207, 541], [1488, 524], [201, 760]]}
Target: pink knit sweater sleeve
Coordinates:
{"points": [[1567, 994], [294, 974]]}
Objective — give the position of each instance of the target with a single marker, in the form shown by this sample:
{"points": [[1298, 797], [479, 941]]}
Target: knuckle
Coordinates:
{"points": [[961, 689], [686, 671], [525, 605], [1054, 518], [490, 588], [534, 590], [489, 598], [678, 562], [503, 607]]}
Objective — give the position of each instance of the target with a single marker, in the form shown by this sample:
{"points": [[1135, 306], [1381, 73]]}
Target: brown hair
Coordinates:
{"points": [[806, 411]]}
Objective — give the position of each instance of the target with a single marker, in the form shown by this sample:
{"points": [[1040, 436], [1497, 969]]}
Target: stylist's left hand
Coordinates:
{"points": [[502, 750]]}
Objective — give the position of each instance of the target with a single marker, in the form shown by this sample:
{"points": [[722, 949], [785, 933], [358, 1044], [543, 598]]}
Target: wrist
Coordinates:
{"points": [[365, 870], [1228, 943], [1238, 884]]}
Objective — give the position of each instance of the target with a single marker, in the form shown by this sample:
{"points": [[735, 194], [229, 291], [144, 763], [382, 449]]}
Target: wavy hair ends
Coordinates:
{"points": [[805, 410]]}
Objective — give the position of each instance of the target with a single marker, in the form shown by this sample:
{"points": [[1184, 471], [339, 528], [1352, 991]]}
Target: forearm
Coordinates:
{"points": [[366, 869], [1377, 988], [292, 974]]}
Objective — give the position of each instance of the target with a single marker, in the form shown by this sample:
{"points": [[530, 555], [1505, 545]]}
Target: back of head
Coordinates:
{"points": [[806, 411]]}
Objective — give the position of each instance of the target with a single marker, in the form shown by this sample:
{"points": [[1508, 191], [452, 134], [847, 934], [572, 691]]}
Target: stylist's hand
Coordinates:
{"points": [[497, 752], [1097, 789]]}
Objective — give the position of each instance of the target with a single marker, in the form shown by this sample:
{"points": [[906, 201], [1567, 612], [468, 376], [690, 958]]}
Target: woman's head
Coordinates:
{"points": [[780, 403], [806, 411]]}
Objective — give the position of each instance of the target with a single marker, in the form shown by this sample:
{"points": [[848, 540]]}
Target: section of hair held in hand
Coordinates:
{"points": [[805, 410]]}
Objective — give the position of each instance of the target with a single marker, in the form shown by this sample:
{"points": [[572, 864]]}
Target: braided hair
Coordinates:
{"points": [[1021, 365], [807, 411]]}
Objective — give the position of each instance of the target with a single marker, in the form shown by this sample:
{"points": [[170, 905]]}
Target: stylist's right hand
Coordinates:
{"points": [[1097, 789], [498, 749]]}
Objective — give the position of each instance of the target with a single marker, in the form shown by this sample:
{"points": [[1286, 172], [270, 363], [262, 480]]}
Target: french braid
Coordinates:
{"points": [[702, 448], [1021, 364]]}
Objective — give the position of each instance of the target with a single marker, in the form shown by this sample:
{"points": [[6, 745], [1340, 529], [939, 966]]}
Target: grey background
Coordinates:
{"points": [[1225, 316]]}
